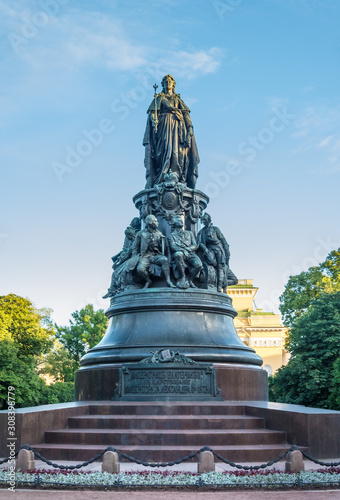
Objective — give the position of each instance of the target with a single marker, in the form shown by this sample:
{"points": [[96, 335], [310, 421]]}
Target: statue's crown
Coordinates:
{"points": [[171, 177]]}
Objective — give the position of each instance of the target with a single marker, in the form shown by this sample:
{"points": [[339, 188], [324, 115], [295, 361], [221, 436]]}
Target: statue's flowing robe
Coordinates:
{"points": [[167, 150]]}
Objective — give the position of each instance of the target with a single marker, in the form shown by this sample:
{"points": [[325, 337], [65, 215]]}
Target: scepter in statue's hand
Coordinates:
{"points": [[155, 120]]}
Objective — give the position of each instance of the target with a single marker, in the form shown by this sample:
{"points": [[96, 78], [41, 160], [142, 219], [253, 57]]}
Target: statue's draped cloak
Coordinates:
{"points": [[166, 149]]}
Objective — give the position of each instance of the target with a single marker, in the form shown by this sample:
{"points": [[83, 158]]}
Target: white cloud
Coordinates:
{"points": [[317, 127], [73, 39], [318, 117], [101, 41], [231, 104], [76, 40], [7, 10], [191, 64], [203, 61], [277, 102], [76, 46], [325, 141], [300, 133], [190, 101]]}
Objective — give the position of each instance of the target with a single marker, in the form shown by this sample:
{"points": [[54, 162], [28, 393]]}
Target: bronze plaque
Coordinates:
{"points": [[168, 381]]}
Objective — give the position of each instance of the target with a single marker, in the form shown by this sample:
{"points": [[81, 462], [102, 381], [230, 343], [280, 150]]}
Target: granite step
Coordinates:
{"points": [[164, 422], [164, 431], [166, 408], [151, 437]]}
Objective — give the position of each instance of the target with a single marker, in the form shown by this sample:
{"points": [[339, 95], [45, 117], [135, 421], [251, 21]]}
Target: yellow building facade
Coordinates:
{"points": [[259, 330]]}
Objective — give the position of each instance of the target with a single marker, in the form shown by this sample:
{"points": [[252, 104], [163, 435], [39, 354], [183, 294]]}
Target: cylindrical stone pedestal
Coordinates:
{"points": [[195, 323]]}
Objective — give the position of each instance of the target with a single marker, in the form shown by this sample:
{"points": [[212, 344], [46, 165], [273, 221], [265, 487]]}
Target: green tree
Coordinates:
{"points": [[302, 289], [314, 343], [58, 364], [86, 329], [60, 392], [310, 306], [20, 373], [26, 334], [334, 397], [4, 326], [31, 329]]}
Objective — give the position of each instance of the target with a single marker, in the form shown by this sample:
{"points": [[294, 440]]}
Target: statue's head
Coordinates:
{"points": [[177, 221], [136, 224], [151, 221], [168, 84], [206, 219]]}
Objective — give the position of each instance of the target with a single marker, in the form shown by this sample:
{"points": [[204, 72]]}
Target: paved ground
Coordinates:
{"points": [[170, 495]]}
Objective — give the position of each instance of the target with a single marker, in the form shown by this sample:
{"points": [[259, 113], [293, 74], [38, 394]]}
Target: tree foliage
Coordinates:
{"points": [[86, 329], [26, 334], [310, 306], [60, 392], [30, 329], [30, 389], [29, 347], [334, 397], [302, 289], [58, 364], [314, 343], [20, 373]]}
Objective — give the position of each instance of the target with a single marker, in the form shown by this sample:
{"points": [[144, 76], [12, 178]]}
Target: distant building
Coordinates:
{"points": [[258, 329]]}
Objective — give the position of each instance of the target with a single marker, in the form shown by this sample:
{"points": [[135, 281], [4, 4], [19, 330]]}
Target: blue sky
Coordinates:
{"points": [[262, 81]]}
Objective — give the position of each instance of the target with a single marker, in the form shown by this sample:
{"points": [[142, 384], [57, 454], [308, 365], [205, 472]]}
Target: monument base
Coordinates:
{"points": [[237, 382]]}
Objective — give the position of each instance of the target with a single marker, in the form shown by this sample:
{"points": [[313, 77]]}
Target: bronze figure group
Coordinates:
{"points": [[147, 253], [172, 256]]}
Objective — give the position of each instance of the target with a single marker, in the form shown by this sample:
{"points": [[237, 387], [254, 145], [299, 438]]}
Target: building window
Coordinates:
{"points": [[268, 369]]}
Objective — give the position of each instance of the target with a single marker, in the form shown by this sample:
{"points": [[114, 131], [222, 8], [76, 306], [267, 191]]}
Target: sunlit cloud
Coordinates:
{"points": [[325, 141], [313, 128], [77, 39], [276, 102], [189, 65]]}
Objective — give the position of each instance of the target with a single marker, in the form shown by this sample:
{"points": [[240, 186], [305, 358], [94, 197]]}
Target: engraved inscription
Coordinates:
{"points": [[165, 381], [168, 381]]}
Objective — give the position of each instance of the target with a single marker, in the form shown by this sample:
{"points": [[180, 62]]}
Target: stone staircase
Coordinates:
{"points": [[164, 431]]}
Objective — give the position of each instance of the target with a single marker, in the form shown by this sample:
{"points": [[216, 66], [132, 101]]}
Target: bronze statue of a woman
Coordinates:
{"points": [[169, 139]]}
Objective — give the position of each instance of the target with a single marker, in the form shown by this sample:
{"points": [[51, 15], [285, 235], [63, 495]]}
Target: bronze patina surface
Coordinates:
{"points": [[169, 282], [167, 375]]}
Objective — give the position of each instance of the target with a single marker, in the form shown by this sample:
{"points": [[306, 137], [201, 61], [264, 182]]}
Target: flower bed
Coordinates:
{"points": [[243, 479]]}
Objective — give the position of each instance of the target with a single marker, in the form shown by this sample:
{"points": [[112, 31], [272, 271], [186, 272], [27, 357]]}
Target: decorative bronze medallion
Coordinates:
{"points": [[170, 200]]}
